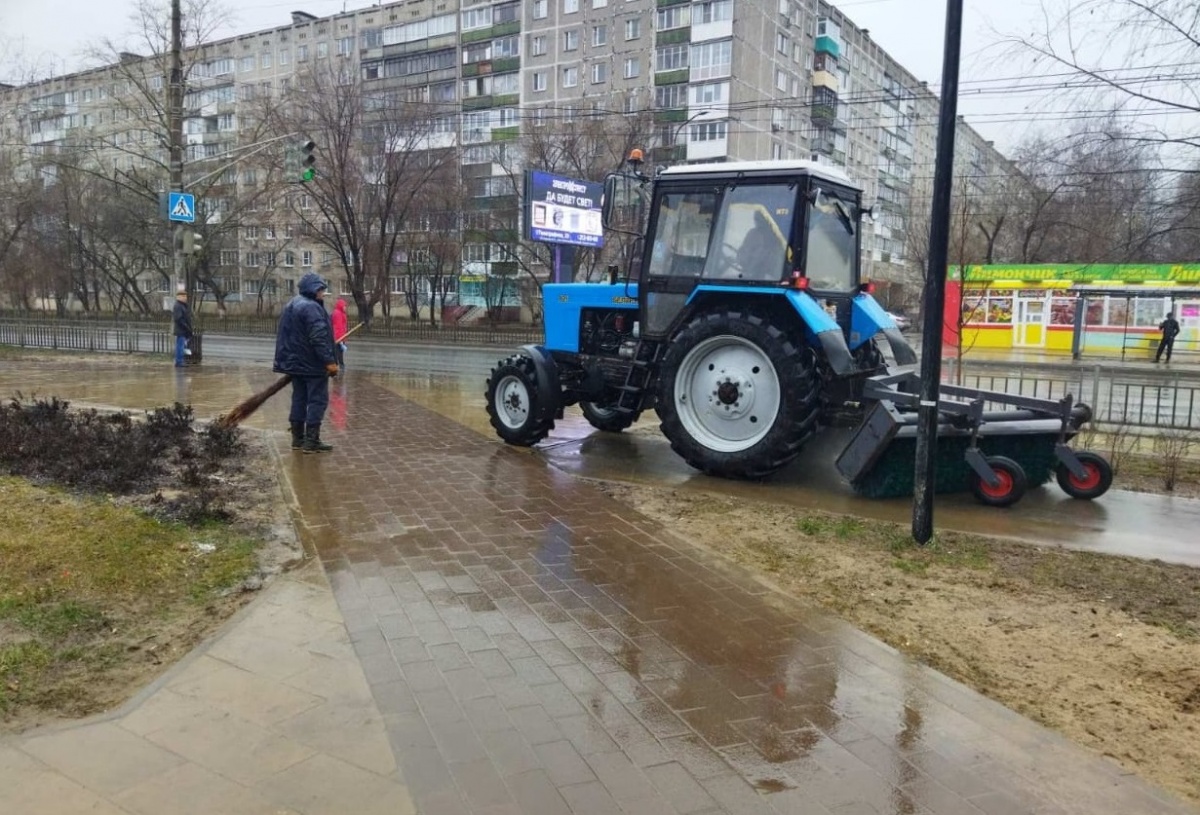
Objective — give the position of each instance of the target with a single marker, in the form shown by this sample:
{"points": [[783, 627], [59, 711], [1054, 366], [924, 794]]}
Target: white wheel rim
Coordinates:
{"points": [[727, 394], [511, 401], [601, 412]]}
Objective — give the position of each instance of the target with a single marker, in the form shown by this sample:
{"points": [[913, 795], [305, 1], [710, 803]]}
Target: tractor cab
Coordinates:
{"points": [[722, 233]]}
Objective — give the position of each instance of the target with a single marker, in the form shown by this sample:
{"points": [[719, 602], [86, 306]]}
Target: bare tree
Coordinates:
{"points": [[379, 155], [1135, 56]]}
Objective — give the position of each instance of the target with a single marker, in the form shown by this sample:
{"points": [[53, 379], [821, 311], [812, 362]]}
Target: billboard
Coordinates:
{"points": [[563, 210]]}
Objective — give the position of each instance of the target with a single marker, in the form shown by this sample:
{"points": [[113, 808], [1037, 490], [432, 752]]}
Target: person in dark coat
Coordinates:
{"points": [[1170, 330], [181, 321], [304, 351], [340, 327]]}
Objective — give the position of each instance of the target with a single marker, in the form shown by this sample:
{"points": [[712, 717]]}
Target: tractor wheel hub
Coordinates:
{"points": [[732, 395]]}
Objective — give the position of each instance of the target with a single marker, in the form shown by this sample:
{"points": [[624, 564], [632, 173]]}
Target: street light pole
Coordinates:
{"points": [[934, 300], [679, 128]]}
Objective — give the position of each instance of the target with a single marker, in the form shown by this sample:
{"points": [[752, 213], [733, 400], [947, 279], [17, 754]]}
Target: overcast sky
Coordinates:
{"points": [[911, 30]]}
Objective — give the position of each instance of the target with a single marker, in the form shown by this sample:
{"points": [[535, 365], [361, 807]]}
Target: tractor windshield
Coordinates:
{"points": [[831, 264], [750, 239]]}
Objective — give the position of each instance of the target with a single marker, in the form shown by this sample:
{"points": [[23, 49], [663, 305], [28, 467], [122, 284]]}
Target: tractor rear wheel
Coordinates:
{"points": [[606, 417], [514, 403], [1098, 477], [736, 397]]}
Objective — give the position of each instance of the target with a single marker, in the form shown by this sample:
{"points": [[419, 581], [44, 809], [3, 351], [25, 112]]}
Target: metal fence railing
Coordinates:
{"points": [[1115, 396], [381, 329]]}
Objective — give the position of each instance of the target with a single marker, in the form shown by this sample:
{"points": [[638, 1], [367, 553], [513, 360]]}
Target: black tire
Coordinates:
{"points": [[792, 375], [514, 404], [1013, 483], [1097, 482], [608, 418]]}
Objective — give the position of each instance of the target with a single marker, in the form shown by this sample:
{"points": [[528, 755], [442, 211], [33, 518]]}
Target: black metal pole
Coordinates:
{"points": [[934, 300]]}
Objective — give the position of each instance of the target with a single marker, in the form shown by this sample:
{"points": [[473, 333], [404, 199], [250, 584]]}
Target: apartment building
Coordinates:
{"points": [[721, 79]]}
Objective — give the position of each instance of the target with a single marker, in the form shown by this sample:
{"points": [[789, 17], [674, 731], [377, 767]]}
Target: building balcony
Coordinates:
{"points": [[671, 77], [478, 103], [825, 79], [506, 133], [824, 115], [675, 115], [673, 36], [828, 45], [665, 3]]}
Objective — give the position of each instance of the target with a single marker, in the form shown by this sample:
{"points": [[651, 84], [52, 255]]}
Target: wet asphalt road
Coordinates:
{"points": [[451, 381]]}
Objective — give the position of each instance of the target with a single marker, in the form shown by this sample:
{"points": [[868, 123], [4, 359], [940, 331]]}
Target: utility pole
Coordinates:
{"points": [[934, 301], [175, 135]]}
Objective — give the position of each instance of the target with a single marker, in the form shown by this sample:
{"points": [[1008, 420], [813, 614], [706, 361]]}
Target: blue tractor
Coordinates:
{"points": [[745, 325]]}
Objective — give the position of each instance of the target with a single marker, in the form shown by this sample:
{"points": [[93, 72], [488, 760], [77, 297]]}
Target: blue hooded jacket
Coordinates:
{"points": [[304, 342]]}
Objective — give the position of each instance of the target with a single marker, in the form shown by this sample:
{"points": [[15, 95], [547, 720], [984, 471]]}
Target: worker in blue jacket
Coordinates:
{"points": [[304, 351]]}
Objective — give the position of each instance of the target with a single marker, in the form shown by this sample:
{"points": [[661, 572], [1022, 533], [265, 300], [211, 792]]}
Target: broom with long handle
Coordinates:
{"points": [[243, 410]]}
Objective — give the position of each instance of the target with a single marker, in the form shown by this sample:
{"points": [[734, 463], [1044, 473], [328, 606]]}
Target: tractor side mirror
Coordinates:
{"points": [[608, 199], [871, 213]]}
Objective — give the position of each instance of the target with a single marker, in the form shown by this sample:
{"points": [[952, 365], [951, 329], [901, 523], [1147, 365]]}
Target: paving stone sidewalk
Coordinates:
{"points": [[535, 647], [273, 717]]}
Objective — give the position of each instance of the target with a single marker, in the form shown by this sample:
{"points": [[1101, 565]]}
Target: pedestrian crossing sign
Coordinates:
{"points": [[181, 206]]}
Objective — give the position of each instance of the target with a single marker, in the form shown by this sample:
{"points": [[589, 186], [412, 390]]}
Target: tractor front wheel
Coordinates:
{"points": [[1098, 477], [514, 403], [607, 417], [736, 397], [1011, 486]]}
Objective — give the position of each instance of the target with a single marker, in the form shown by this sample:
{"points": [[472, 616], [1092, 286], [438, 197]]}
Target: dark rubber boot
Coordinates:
{"points": [[312, 440], [297, 435]]}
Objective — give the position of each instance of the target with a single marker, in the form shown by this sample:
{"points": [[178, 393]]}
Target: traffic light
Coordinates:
{"points": [[300, 165], [193, 243], [308, 162]]}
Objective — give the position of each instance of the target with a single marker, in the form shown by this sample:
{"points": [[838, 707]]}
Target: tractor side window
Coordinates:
{"points": [[752, 234], [681, 234]]}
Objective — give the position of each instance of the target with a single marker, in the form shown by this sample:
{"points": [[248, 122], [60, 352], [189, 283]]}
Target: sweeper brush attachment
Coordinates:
{"points": [[996, 454]]}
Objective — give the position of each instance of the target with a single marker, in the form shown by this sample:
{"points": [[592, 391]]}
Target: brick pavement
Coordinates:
{"points": [[535, 647]]}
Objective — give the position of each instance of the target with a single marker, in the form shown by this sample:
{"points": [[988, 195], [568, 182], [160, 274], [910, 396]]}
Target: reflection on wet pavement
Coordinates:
{"points": [[536, 647]]}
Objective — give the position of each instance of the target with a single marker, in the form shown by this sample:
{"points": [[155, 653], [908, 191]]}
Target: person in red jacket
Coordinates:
{"points": [[339, 330]]}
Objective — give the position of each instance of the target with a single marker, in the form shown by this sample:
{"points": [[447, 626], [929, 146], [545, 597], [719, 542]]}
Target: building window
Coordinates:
{"points": [[599, 73], [264, 60], [537, 45], [633, 67], [673, 17], [302, 53], [671, 58], [570, 77], [539, 81], [780, 81], [570, 40], [599, 3], [570, 6], [251, 259], [711, 59], [540, 9], [633, 28], [229, 257], [670, 97], [781, 44], [306, 257], [289, 258], [599, 35], [712, 93], [246, 65], [716, 11], [322, 50], [709, 131]]}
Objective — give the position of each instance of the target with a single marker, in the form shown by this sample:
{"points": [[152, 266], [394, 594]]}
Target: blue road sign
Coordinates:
{"points": [[181, 206]]}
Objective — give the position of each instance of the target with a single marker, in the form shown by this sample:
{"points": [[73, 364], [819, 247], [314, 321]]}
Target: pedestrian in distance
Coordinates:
{"points": [[1170, 329], [181, 323], [304, 351], [340, 326]]}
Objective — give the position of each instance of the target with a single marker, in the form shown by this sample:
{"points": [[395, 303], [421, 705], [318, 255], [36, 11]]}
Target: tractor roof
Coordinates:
{"points": [[764, 168]]}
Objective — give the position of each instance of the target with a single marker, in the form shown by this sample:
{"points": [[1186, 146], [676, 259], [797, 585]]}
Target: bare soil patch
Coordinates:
{"points": [[1104, 649]]}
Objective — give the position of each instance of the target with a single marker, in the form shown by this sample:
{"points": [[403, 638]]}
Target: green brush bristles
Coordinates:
{"points": [[892, 475]]}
